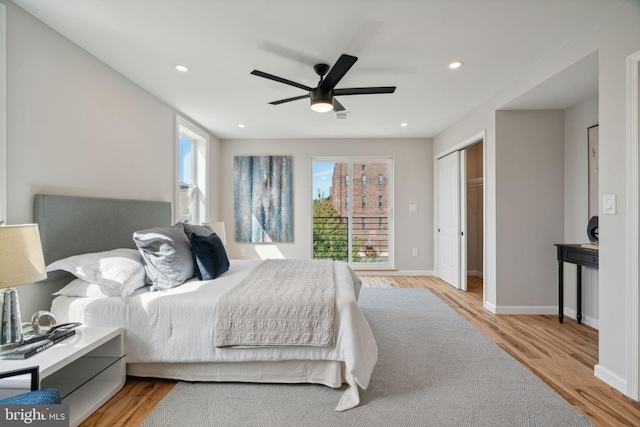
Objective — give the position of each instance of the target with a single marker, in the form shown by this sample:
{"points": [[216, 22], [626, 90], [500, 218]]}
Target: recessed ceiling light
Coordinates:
{"points": [[240, 125], [404, 124], [456, 64], [182, 68]]}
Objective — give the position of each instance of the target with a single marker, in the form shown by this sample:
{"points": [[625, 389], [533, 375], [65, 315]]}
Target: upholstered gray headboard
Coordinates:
{"points": [[75, 225]]}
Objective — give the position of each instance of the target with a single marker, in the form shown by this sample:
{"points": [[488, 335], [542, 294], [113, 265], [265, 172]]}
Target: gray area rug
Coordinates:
{"points": [[434, 369]]}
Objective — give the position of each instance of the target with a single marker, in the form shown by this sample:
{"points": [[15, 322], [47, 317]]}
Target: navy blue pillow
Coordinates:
{"points": [[209, 256]]}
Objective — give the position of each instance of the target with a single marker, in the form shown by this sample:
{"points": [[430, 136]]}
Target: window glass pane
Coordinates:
{"points": [[185, 161], [187, 188], [358, 233]]}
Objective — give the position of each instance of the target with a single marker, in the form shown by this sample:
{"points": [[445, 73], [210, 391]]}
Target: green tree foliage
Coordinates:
{"points": [[330, 231], [330, 234]]}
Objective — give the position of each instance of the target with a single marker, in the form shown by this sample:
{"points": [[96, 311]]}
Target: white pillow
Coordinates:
{"points": [[119, 270], [82, 288]]}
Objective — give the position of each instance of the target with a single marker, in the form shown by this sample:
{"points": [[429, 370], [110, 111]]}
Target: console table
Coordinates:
{"points": [[580, 256]]}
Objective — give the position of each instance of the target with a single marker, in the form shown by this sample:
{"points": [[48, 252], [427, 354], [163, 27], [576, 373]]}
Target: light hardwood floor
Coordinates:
{"points": [[562, 355]]}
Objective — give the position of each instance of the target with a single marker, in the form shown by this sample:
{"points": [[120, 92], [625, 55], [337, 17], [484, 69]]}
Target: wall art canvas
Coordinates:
{"points": [[594, 153], [263, 203]]}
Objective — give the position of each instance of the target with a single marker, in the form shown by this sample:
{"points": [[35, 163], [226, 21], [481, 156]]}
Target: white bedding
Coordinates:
{"points": [[176, 326]]}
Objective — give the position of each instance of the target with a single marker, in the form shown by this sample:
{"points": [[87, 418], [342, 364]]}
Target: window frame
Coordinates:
{"points": [[200, 138]]}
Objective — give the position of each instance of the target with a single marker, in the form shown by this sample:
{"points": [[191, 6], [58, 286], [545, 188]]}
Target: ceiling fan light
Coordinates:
{"points": [[321, 106]]}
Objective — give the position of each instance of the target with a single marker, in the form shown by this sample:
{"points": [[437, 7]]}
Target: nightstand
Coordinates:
{"points": [[87, 368]]}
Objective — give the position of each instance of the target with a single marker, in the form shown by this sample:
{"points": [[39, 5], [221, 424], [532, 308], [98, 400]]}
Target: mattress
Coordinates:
{"points": [[175, 327]]}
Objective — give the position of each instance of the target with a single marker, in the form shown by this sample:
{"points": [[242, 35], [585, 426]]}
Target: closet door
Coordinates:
{"points": [[448, 199]]}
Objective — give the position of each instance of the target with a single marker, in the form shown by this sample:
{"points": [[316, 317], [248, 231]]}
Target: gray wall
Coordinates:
{"points": [[413, 184], [530, 208], [577, 120], [76, 127]]}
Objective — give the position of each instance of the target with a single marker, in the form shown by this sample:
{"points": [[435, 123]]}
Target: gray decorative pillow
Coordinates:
{"points": [[166, 253], [198, 230]]}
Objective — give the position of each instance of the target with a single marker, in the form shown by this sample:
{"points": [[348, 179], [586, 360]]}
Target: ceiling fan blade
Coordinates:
{"points": [[364, 90], [344, 63], [337, 106], [295, 98], [280, 80]]}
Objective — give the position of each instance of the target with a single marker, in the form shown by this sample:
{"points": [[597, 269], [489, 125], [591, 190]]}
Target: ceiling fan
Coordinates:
{"points": [[323, 96]]}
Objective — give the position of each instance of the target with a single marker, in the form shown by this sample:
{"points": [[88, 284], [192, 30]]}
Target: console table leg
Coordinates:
{"points": [[579, 291], [560, 291]]}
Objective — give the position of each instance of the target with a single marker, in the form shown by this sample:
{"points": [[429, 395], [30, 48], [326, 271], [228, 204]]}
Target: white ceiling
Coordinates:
{"points": [[403, 43]]}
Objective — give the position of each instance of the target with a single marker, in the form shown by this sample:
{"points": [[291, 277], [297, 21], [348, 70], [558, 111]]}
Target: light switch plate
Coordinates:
{"points": [[609, 204], [413, 208]]}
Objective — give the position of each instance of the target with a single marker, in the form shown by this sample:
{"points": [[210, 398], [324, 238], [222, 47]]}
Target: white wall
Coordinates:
{"points": [[413, 184], [529, 209], [615, 38], [76, 127], [577, 120]]}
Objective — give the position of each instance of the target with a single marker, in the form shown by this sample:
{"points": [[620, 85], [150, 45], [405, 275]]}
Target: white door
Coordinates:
{"points": [[448, 230]]}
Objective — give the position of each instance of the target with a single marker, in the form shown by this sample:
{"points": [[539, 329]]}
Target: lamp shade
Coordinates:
{"points": [[218, 228], [21, 258]]}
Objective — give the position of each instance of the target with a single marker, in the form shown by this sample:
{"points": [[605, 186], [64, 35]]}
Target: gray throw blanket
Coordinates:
{"points": [[280, 303]]}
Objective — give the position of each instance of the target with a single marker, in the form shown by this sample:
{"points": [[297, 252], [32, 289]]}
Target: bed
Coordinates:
{"points": [[170, 333]]}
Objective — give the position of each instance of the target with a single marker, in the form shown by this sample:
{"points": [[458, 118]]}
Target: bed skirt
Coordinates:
{"points": [[326, 372]]}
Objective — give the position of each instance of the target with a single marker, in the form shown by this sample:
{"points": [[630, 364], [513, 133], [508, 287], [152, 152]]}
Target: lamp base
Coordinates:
{"points": [[10, 320]]}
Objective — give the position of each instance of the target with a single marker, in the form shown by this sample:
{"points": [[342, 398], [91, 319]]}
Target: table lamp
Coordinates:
{"points": [[218, 228], [21, 262]]}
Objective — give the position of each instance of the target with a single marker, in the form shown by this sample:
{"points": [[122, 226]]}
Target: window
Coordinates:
{"points": [[192, 172], [364, 180], [380, 180], [187, 187], [345, 227]]}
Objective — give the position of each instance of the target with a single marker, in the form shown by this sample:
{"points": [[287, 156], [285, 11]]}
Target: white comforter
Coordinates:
{"points": [[177, 325]]}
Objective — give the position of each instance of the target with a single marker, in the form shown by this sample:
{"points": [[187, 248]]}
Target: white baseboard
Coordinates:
{"points": [[490, 307], [587, 320], [610, 378], [475, 273], [519, 309], [394, 272]]}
